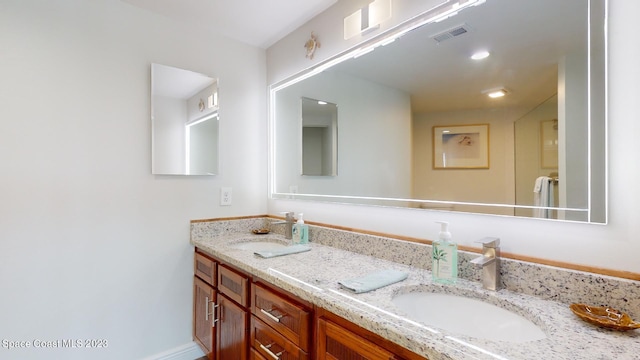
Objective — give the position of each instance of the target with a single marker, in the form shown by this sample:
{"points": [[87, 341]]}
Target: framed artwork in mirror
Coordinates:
{"points": [[461, 147]]}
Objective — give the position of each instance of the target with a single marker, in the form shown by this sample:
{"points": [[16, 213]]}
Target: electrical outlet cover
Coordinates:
{"points": [[225, 196]]}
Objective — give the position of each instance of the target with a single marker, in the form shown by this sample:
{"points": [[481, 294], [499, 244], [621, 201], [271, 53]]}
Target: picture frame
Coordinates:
{"points": [[461, 146]]}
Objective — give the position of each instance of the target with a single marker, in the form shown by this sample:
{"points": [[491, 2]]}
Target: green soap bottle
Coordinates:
{"points": [[300, 231], [445, 257]]}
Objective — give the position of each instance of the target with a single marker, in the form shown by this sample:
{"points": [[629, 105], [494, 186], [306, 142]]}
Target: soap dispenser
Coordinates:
{"points": [[300, 231], [445, 256]]}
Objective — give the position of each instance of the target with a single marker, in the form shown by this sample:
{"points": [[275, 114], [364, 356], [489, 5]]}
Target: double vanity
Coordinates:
{"points": [[529, 318]]}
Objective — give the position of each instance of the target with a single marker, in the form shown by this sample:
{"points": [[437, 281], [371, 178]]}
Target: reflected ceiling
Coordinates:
{"points": [[525, 65]]}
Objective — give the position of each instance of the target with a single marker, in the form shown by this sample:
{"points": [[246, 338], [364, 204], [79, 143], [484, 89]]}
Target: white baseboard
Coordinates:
{"points": [[189, 351]]}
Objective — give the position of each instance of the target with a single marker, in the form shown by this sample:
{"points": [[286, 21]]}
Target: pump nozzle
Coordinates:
{"points": [[444, 234]]}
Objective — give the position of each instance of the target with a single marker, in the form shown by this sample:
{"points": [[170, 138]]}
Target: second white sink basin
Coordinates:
{"points": [[467, 316]]}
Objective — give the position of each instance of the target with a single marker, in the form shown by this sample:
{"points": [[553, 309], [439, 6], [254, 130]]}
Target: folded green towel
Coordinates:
{"points": [[294, 249], [374, 280]]}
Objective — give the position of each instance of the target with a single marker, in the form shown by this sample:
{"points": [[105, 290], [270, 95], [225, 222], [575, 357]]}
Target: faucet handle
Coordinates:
{"points": [[489, 242], [288, 215]]}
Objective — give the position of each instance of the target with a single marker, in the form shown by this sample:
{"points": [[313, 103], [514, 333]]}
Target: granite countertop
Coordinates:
{"points": [[314, 276]]}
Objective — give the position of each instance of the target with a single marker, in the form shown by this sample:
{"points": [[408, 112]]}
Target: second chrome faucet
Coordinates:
{"points": [[288, 222]]}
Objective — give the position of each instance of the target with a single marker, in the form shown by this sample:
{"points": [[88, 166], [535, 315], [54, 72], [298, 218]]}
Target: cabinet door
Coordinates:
{"points": [[204, 299], [335, 342], [232, 327]]}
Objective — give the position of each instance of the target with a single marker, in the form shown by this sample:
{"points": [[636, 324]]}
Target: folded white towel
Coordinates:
{"points": [[294, 249], [373, 280]]}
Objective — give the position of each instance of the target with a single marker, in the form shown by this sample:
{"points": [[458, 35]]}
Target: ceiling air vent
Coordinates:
{"points": [[451, 33]]}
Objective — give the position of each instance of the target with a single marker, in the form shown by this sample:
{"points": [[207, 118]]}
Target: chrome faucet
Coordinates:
{"points": [[288, 222], [489, 262]]}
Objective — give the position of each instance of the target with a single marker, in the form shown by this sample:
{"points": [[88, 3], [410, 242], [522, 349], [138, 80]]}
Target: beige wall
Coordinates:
{"points": [[494, 185]]}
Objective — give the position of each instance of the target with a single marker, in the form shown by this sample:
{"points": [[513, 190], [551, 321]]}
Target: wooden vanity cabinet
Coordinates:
{"points": [[239, 318]]}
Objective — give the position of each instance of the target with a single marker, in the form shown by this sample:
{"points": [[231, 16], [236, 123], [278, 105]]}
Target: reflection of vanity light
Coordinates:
{"points": [[320, 102], [363, 51], [446, 131], [480, 55], [209, 117], [367, 18]]}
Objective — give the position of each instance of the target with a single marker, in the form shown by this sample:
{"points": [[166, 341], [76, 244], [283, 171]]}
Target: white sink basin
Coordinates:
{"points": [[259, 246], [467, 316]]}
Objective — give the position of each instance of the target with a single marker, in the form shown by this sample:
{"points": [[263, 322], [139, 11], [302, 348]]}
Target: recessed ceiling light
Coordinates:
{"points": [[497, 94], [480, 55]]}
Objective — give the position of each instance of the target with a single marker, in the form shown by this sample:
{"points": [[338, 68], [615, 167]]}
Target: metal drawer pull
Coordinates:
{"points": [[270, 315], [207, 313], [266, 349]]}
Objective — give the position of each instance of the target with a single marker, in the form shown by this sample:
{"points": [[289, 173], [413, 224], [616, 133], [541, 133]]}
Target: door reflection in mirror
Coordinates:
{"points": [[319, 138], [184, 122]]}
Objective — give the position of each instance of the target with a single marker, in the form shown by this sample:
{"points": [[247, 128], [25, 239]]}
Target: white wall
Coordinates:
{"points": [[613, 246], [374, 126], [93, 246]]}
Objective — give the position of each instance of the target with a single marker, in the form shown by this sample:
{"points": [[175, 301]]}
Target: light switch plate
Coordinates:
{"points": [[225, 196]]}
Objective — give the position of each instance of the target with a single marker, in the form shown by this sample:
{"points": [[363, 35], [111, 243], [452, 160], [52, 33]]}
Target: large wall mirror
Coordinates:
{"points": [[184, 122], [522, 127]]}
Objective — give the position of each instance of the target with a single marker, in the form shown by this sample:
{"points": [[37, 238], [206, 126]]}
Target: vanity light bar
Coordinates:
{"points": [[367, 18]]}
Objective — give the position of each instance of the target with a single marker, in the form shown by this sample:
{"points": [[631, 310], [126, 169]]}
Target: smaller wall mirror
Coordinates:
{"points": [[319, 138], [184, 122]]}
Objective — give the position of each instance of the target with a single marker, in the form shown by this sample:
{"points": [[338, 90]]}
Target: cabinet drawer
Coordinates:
{"points": [[234, 285], [287, 317], [336, 342], [254, 355], [205, 269], [271, 345]]}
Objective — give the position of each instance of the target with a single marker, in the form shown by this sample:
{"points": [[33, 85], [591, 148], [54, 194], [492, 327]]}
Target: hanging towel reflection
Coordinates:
{"points": [[543, 197]]}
